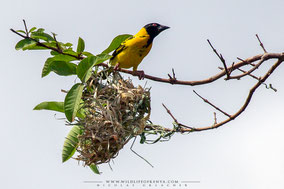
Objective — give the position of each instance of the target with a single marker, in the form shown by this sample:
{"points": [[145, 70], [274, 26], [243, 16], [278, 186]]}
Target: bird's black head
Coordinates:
{"points": [[153, 29]]}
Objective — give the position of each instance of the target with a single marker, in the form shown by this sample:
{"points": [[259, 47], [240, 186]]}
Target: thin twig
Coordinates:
{"points": [[175, 120], [174, 75], [172, 78], [57, 44], [221, 58], [169, 112], [207, 101], [263, 58], [243, 71], [249, 63], [260, 43], [231, 70], [64, 91], [253, 76], [26, 28], [215, 118]]}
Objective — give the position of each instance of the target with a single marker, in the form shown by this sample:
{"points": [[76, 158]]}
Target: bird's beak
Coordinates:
{"points": [[162, 28]]}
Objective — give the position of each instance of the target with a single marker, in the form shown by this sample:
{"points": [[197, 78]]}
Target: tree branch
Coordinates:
{"points": [[175, 120], [221, 58], [206, 101], [260, 43], [172, 81], [244, 106], [256, 66], [47, 47], [261, 58]]}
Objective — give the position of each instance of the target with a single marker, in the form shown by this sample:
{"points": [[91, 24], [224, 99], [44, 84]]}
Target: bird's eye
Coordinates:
{"points": [[154, 25]]}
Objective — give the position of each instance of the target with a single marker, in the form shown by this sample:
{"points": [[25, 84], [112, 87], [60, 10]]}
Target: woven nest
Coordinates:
{"points": [[116, 111]]}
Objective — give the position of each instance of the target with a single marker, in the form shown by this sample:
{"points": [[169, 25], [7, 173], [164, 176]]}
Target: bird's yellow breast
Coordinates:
{"points": [[133, 50]]}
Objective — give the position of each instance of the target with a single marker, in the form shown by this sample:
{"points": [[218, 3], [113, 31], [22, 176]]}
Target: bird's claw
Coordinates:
{"points": [[140, 74], [116, 67]]}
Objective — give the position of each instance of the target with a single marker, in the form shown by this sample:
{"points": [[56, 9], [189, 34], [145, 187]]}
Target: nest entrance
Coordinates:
{"points": [[116, 111]]}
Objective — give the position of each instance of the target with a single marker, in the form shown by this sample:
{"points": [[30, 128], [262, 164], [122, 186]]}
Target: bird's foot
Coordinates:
{"points": [[140, 74], [116, 67]]}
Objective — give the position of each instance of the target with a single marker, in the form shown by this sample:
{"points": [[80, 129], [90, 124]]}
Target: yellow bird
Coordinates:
{"points": [[131, 52]]}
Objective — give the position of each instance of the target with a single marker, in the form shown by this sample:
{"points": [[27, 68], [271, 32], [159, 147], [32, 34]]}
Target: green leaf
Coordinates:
{"points": [[34, 47], [40, 30], [116, 43], [87, 53], [41, 35], [81, 45], [54, 53], [71, 52], [63, 68], [21, 31], [94, 168], [68, 44], [52, 105], [84, 69], [63, 57], [81, 113], [71, 143], [103, 57], [32, 29], [72, 101], [59, 107], [24, 43], [47, 68]]}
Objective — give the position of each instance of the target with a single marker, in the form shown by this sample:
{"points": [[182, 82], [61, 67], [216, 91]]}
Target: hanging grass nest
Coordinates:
{"points": [[116, 111]]}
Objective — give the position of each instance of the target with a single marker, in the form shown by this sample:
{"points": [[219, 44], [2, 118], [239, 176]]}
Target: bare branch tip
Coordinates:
{"points": [[260, 43]]}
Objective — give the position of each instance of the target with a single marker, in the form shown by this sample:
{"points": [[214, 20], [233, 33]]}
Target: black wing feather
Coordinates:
{"points": [[120, 48]]}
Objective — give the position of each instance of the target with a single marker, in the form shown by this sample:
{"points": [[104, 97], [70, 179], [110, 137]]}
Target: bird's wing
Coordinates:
{"points": [[121, 47]]}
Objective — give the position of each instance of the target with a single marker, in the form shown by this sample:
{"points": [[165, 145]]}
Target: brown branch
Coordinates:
{"points": [[207, 101], [211, 79], [207, 80], [45, 46], [215, 118], [250, 63], [263, 58], [175, 120], [246, 103], [18, 33], [221, 58], [172, 79], [169, 112], [260, 43], [253, 76], [257, 78], [243, 71]]}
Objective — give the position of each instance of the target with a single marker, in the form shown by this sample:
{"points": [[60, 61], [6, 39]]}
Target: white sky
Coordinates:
{"points": [[246, 153]]}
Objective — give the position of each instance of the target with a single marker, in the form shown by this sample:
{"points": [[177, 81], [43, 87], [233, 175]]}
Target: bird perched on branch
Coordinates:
{"points": [[131, 52]]}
